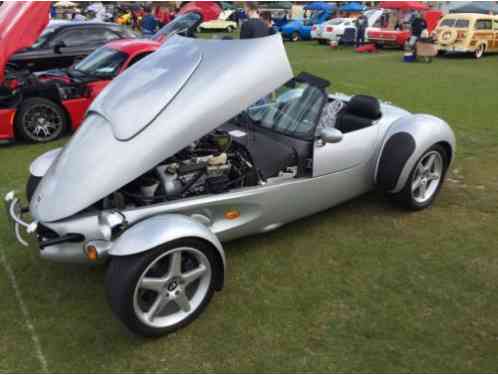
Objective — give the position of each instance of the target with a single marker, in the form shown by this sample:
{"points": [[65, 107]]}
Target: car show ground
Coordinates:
{"points": [[363, 287]]}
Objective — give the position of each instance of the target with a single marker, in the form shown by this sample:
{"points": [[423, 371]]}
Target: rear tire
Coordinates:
{"points": [[295, 37], [40, 120], [167, 304], [424, 176]]}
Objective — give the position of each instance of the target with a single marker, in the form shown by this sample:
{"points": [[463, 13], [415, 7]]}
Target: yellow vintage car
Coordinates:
{"points": [[467, 33]]}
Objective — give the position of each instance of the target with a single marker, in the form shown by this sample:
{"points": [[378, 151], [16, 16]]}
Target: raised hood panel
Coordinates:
{"points": [[21, 23], [149, 87], [230, 76]]}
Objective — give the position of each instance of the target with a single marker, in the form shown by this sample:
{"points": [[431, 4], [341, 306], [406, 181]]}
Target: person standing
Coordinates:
{"points": [[266, 18], [418, 25], [254, 27], [149, 23], [361, 27]]}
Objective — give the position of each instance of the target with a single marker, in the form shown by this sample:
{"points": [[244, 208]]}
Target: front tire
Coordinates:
{"points": [[159, 291], [40, 120], [425, 181]]}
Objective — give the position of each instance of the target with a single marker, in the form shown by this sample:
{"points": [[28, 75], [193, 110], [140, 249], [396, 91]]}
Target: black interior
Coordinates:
{"points": [[272, 152], [360, 112]]}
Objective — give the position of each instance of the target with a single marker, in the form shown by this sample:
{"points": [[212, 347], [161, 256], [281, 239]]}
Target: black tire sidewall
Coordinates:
{"points": [[295, 37], [28, 105], [124, 272]]}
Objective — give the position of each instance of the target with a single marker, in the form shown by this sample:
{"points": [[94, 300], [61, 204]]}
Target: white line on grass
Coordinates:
{"points": [[25, 312]]}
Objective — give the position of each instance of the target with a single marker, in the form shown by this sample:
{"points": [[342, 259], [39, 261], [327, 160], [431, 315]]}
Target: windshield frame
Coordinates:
{"points": [[290, 86]]}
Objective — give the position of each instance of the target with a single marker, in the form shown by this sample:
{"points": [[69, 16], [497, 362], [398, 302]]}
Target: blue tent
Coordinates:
{"points": [[320, 6], [352, 7]]}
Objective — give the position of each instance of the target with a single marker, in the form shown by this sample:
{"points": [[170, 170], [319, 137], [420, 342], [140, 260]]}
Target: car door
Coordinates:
{"points": [[355, 149]]}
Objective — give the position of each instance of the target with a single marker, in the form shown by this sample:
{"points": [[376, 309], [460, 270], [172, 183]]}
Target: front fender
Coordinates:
{"points": [[157, 230], [42, 163], [403, 145]]}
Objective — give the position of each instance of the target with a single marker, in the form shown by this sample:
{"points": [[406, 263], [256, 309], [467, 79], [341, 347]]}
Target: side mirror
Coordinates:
{"points": [[60, 44], [331, 135]]}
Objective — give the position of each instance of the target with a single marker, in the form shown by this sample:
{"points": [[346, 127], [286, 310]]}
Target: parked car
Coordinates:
{"points": [[296, 30], [391, 29], [195, 162], [41, 107], [222, 23], [62, 43], [333, 30], [55, 101], [467, 33]]}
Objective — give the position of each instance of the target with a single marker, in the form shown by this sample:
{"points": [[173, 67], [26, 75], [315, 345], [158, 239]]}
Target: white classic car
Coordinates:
{"points": [[222, 23]]}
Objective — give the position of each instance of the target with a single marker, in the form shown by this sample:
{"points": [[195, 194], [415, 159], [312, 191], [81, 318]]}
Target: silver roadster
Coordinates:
{"points": [[205, 141]]}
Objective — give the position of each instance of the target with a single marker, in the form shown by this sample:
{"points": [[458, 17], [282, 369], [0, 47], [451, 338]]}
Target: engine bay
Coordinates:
{"points": [[212, 165]]}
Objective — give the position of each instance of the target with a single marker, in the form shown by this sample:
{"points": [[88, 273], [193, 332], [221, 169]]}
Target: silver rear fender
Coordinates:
{"points": [[412, 135]]}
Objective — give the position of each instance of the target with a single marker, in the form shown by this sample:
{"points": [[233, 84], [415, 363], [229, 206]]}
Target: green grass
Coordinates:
{"points": [[363, 287]]}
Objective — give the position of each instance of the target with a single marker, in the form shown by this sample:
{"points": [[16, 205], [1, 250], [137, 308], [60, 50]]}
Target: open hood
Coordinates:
{"points": [[159, 106], [21, 23]]}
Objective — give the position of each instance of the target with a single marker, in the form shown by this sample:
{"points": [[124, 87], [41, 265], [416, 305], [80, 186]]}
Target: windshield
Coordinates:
{"points": [[102, 62], [293, 109], [45, 35], [181, 24], [453, 22]]}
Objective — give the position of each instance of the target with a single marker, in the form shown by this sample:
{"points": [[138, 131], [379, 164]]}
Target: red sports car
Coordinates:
{"points": [[41, 107]]}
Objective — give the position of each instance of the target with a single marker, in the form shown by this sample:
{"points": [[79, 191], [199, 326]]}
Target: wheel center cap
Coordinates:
{"points": [[172, 285]]}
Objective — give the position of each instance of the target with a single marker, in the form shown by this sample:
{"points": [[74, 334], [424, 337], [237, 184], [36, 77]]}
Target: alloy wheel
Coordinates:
{"points": [[427, 178], [42, 123], [172, 287]]}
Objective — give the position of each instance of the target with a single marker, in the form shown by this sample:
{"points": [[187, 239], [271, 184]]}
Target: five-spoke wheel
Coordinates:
{"points": [[159, 291], [425, 179]]}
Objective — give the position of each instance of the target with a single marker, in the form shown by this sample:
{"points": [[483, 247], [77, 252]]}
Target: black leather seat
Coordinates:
{"points": [[360, 112]]}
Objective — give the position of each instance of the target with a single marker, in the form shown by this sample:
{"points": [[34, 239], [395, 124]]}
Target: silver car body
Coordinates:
{"points": [[221, 79]]}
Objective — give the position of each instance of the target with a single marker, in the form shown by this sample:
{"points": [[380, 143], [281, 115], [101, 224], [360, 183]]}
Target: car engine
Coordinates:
{"points": [[212, 165]]}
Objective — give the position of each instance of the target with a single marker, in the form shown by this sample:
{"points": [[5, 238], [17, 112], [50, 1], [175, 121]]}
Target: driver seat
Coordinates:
{"points": [[360, 112]]}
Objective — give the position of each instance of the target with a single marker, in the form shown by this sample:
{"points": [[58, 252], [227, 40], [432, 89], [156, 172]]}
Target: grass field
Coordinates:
{"points": [[363, 287]]}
